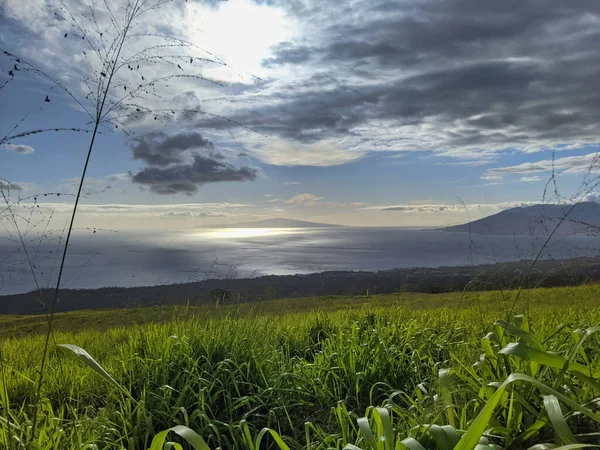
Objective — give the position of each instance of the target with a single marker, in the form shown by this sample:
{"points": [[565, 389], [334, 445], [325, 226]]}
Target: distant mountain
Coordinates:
{"points": [[281, 223], [538, 219]]}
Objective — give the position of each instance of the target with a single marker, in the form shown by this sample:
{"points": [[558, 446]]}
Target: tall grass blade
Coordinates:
{"points": [[87, 359], [558, 421]]}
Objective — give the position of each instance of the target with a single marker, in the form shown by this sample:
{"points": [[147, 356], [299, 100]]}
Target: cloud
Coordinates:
{"points": [[530, 179], [7, 186], [325, 153], [192, 214], [570, 164], [160, 149], [182, 163], [21, 149], [592, 197], [158, 210], [95, 185], [187, 178], [304, 199], [456, 208], [459, 77], [16, 186], [466, 79], [291, 183], [119, 176]]}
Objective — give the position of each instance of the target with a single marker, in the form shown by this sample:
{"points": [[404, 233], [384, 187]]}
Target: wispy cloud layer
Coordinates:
{"points": [[304, 199], [461, 77], [570, 164], [464, 78]]}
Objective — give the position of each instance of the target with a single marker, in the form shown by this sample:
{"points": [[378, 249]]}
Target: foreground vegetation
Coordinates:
{"points": [[382, 372]]}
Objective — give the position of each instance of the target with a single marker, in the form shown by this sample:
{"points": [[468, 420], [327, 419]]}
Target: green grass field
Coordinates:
{"points": [[381, 372]]}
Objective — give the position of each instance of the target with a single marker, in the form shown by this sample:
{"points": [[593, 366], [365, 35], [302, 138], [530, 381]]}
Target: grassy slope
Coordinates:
{"points": [[282, 363], [583, 297]]}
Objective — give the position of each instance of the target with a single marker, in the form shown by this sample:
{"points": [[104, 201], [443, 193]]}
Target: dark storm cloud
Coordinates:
{"points": [[181, 163], [467, 74], [160, 149], [187, 178]]}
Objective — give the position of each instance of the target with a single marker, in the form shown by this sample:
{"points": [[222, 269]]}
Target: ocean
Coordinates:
{"points": [[141, 259]]}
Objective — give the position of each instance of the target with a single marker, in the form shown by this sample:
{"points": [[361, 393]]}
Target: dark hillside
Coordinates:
{"points": [[537, 219]]}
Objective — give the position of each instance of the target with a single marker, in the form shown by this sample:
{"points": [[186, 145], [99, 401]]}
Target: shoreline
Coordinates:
{"points": [[546, 273]]}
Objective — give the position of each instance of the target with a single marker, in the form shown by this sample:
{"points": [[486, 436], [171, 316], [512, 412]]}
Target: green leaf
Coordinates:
{"points": [[523, 351], [191, 437], [441, 438], [247, 434], [526, 337], [282, 445], [4, 402], [487, 346], [411, 444], [445, 383], [471, 438], [558, 421], [385, 428], [452, 434], [173, 445], [363, 425], [564, 447]]}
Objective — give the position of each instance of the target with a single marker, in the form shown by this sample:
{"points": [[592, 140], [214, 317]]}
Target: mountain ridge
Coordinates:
{"points": [[583, 218]]}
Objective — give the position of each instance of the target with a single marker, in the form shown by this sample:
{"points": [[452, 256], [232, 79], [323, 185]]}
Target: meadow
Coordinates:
{"points": [[401, 371]]}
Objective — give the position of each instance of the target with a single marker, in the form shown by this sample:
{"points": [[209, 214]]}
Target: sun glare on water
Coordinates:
{"points": [[233, 233]]}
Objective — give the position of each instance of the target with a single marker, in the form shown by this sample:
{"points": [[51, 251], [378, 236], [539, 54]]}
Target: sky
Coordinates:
{"points": [[366, 113]]}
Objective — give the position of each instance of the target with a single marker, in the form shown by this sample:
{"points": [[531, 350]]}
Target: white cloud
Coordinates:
{"points": [[190, 209], [531, 179], [321, 154], [304, 199], [291, 183], [241, 31], [570, 164], [592, 197], [20, 186], [453, 207], [120, 177]]}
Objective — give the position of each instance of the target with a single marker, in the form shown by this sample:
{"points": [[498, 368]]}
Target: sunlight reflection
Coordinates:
{"points": [[233, 233]]}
